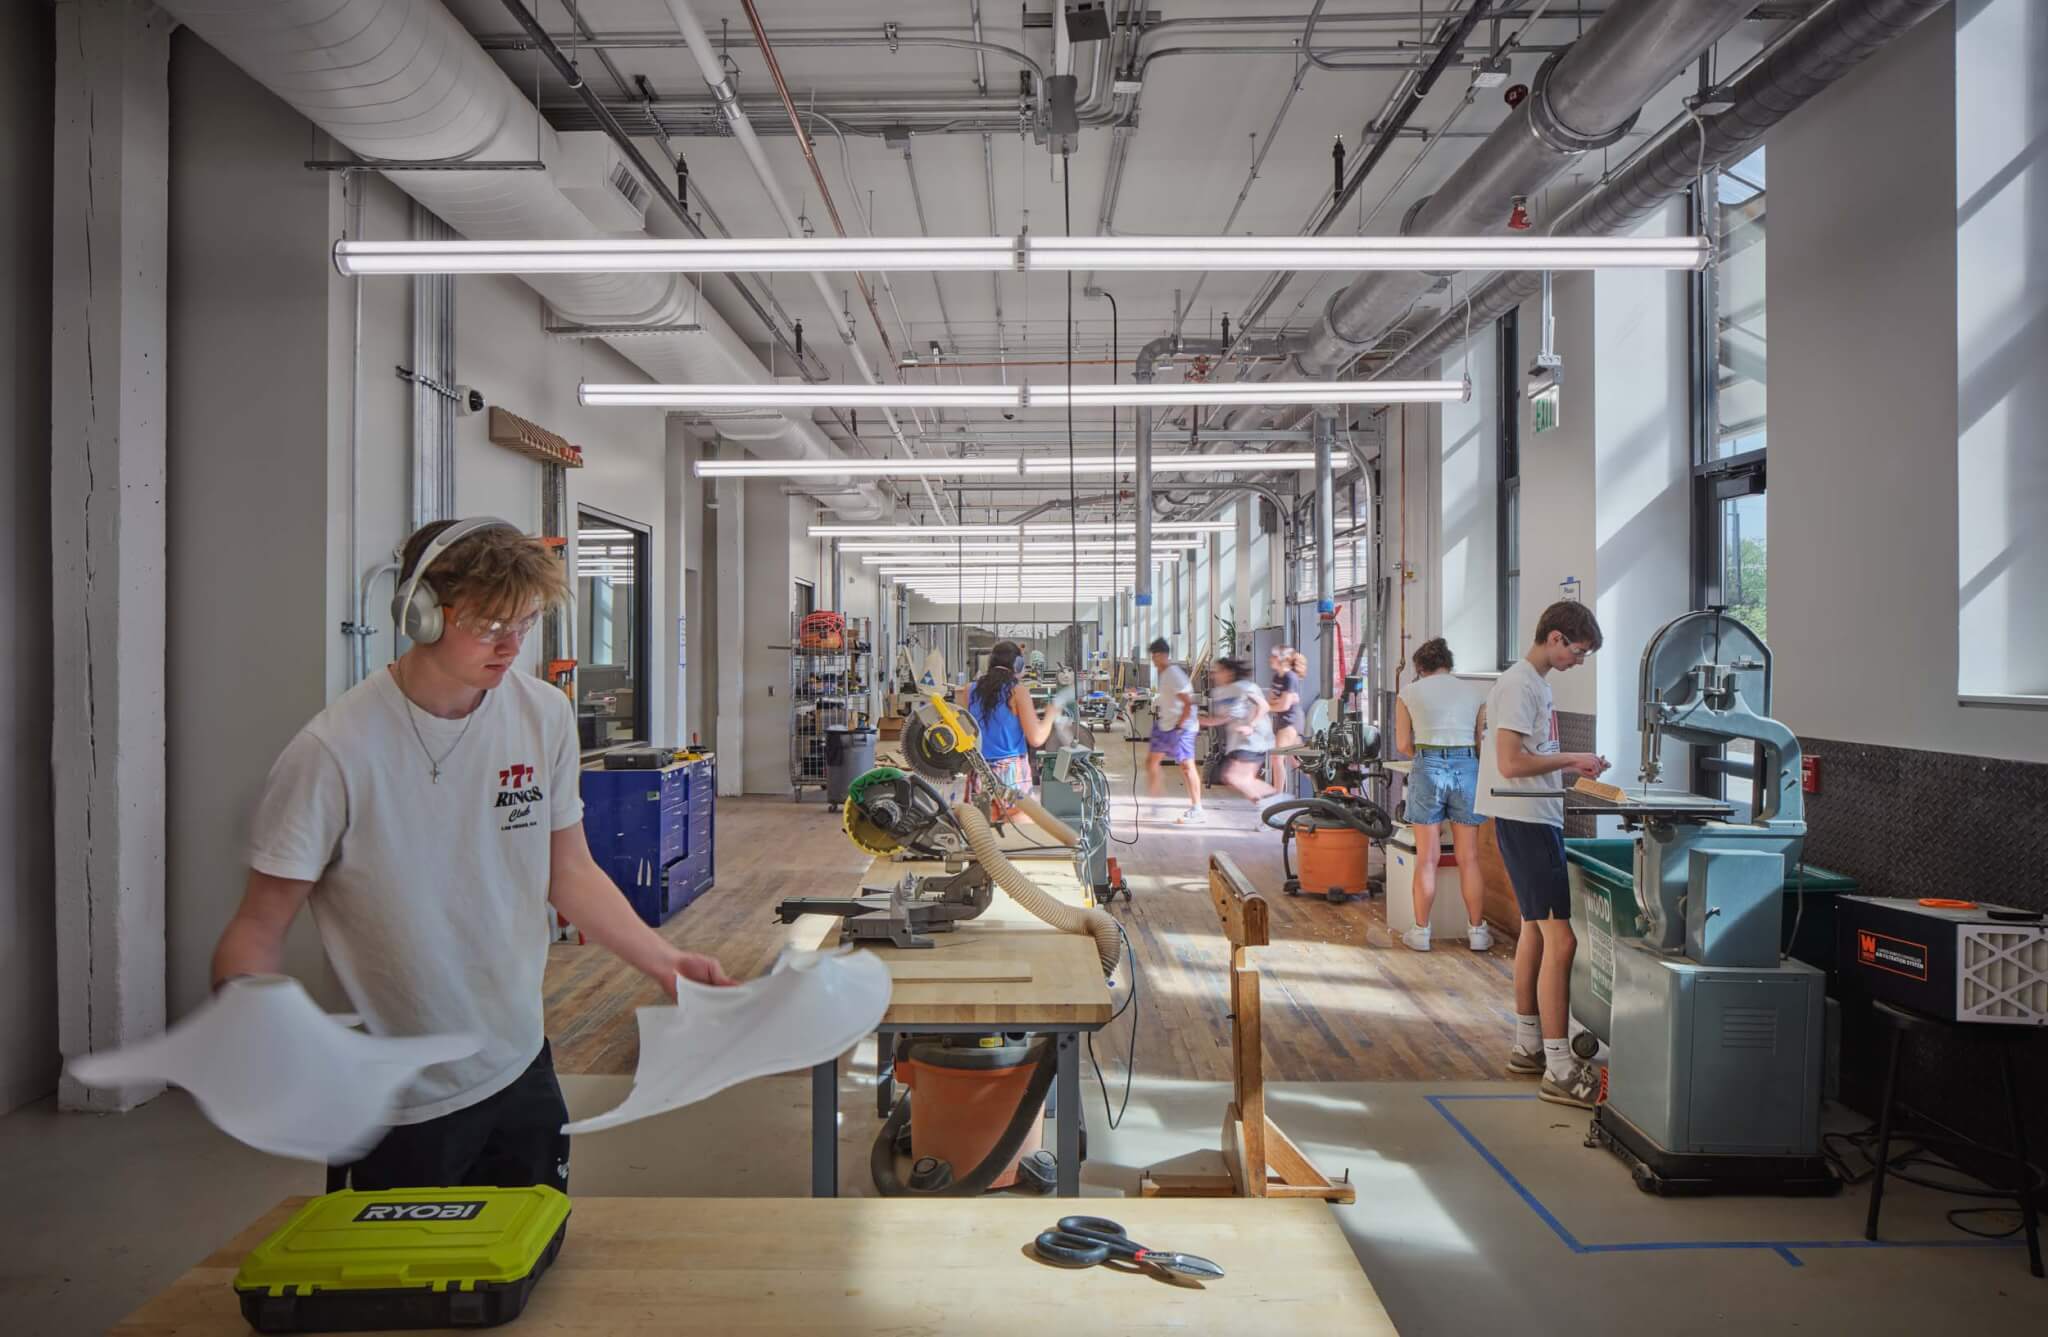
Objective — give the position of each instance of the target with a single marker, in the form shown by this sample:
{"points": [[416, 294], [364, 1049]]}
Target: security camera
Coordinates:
{"points": [[468, 400]]}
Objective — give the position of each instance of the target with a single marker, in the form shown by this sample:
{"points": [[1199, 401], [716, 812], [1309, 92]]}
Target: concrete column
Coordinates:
{"points": [[1215, 580], [109, 219], [731, 732]]}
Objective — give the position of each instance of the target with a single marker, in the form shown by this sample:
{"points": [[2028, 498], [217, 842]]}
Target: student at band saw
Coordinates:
{"points": [[1175, 722], [1436, 721], [1519, 751], [429, 817], [1010, 726]]}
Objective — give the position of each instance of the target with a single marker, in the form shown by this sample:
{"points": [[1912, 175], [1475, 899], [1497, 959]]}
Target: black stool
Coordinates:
{"points": [[2028, 1179]]}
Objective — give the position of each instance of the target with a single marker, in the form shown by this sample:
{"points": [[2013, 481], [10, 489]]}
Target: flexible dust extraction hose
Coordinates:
{"points": [[1046, 822], [1066, 918]]}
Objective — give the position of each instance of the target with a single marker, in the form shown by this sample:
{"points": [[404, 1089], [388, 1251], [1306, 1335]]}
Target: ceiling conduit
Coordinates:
{"points": [[1806, 59], [409, 83], [1584, 98]]}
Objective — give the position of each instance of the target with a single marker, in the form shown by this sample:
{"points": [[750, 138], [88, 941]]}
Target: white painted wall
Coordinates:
{"points": [[2001, 247], [259, 403], [28, 924], [1468, 469], [1642, 470], [1557, 471], [1865, 407], [249, 489]]}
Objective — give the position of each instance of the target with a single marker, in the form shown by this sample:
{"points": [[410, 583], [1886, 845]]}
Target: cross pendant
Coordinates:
{"points": [[437, 775]]}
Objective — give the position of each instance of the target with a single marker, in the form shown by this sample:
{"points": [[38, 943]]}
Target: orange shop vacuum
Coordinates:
{"points": [[1331, 834], [970, 1116]]}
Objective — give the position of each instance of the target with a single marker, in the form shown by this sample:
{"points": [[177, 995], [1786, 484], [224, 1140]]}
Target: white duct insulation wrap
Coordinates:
{"points": [[1091, 920], [405, 81]]}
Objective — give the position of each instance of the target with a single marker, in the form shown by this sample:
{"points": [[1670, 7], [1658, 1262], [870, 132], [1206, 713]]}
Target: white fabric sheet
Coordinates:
{"points": [[813, 1006], [271, 1069]]}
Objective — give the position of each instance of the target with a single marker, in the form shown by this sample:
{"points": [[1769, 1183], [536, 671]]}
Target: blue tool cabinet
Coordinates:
{"points": [[652, 832]]}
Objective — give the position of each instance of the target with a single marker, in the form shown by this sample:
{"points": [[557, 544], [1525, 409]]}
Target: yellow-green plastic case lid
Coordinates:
{"points": [[434, 1238]]}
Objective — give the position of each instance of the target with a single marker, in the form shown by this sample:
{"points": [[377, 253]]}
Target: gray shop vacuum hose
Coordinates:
{"points": [[1066, 918]]}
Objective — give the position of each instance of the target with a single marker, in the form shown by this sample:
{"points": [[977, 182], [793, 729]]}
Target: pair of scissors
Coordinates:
{"points": [[1083, 1241]]}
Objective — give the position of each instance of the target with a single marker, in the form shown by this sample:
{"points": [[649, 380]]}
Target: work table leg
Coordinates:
{"points": [[1067, 1114], [825, 1129]]}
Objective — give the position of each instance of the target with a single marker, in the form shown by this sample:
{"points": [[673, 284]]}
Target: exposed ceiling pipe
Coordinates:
{"points": [[1582, 100], [713, 72], [1805, 60], [409, 84], [803, 140]]}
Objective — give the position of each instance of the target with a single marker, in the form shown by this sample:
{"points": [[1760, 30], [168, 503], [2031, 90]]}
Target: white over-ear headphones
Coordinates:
{"points": [[416, 606]]}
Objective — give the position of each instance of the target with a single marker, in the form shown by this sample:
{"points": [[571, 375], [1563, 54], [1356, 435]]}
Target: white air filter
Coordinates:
{"points": [[2002, 974]]}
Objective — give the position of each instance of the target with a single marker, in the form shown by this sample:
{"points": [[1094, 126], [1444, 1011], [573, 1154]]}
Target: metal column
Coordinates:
{"points": [[1326, 554]]}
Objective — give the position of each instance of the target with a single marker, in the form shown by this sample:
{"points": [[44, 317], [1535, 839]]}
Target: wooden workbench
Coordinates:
{"points": [[875, 1265], [1064, 997]]}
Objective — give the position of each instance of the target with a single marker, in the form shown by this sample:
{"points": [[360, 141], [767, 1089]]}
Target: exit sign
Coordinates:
{"points": [[1543, 408]]}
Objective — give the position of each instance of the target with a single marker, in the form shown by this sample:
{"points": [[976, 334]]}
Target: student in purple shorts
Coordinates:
{"points": [[1174, 724]]}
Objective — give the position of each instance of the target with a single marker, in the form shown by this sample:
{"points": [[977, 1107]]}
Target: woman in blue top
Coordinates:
{"points": [[1010, 726]]}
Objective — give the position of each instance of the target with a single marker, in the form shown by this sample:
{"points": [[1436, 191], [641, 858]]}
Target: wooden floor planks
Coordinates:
{"points": [[1343, 1001]]}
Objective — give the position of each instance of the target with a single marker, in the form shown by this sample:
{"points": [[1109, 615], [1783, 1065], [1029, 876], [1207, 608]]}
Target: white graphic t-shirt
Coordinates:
{"points": [[431, 898]]}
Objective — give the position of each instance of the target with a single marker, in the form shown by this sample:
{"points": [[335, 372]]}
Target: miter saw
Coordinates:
{"points": [[888, 811]]}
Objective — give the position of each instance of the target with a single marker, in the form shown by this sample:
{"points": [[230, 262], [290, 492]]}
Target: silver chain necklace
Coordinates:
{"points": [[411, 712]]}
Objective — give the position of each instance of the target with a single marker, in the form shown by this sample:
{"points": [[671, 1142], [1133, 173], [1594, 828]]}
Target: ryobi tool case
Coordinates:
{"points": [[403, 1258]]}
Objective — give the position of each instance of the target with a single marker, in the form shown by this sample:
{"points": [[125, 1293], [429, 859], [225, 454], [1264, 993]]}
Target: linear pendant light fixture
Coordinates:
{"points": [[1020, 396], [1168, 527], [985, 467], [1021, 254]]}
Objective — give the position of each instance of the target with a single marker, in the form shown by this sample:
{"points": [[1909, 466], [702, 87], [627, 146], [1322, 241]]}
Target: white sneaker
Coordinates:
{"points": [[1192, 817], [1479, 937], [1416, 939]]}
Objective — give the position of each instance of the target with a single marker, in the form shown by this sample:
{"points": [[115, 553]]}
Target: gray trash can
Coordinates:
{"points": [[849, 754]]}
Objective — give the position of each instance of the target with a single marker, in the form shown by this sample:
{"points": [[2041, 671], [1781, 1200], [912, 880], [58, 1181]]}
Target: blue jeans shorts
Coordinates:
{"points": [[1441, 786]]}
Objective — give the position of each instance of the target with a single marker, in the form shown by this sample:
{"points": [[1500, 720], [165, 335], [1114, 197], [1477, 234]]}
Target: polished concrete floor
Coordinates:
{"points": [[1478, 1209]]}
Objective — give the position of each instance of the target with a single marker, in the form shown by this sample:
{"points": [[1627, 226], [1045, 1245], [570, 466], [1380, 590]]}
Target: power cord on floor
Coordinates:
{"points": [[1137, 827], [1131, 1057], [1839, 1148]]}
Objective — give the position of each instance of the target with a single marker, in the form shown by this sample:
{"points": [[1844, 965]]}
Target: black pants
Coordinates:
{"points": [[508, 1140]]}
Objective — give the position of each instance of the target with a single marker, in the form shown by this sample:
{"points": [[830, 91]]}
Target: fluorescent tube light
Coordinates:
{"points": [[912, 531], [774, 396], [759, 255], [1248, 392], [1025, 547], [1281, 462], [663, 255], [1128, 527], [1310, 254], [936, 467]]}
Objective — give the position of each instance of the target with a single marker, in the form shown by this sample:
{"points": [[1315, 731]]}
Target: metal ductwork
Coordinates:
{"points": [[1806, 59], [1585, 98], [406, 82]]}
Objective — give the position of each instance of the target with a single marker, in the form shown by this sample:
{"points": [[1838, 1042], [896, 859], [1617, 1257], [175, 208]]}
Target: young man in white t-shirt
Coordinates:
{"points": [[1175, 722], [1518, 750], [429, 817]]}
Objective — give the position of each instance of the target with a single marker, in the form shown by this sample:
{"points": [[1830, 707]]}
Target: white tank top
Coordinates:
{"points": [[1445, 709]]}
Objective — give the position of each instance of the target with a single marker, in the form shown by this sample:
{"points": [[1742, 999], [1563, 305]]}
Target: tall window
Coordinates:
{"points": [[1731, 413], [1507, 600], [611, 582], [1731, 430]]}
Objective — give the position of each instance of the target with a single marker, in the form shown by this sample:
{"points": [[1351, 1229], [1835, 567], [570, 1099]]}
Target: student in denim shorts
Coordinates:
{"points": [[1436, 721]]}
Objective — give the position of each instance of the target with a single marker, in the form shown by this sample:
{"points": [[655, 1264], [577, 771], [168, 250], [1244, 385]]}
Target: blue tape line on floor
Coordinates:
{"points": [[1785, 1249]]}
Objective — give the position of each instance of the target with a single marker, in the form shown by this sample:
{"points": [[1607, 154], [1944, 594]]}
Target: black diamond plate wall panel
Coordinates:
{"points": [[1907, 823], [1575, 734]]}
